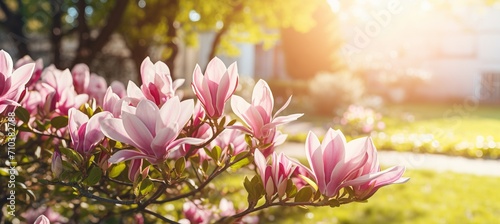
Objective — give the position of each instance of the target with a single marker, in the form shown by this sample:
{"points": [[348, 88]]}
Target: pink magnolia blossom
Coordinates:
{"points": [[215, 87], [12, 83], [58, 91], [369, 178], [157, 84], [85, 132], [275, 176], [118, 88], [336, 164], [194, 212], [31, 215], [81, 77], [37, 72], [97, 88], [89, 83], [333, 161], [151, 130], [258, 118], [42, 220]]}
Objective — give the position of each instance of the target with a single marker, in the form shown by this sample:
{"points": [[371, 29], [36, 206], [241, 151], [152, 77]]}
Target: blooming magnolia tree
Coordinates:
{"points": [[143, 152]]}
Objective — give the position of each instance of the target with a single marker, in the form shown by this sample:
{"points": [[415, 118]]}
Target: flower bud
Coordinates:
{"points": [[56, 165]]}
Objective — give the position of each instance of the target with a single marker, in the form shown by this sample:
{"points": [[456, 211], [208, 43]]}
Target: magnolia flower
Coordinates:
{"points": [[12, 83], [85, 82], [157, 84], [258, 118], [37, 72], [58, 90], [275, 176], [194, 212], [85, 132], [369, 178], [215, 87], [334, 160], [118, 88], [42, 220], [97, 88], [336, 164], [151, 130], [81, 77]]}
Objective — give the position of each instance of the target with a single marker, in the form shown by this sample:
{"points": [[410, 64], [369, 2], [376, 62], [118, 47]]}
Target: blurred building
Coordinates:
{"points": [[459, 45]]}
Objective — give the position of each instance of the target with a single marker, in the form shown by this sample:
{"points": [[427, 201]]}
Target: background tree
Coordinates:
{"points": [[308, 53], [151, 24]]}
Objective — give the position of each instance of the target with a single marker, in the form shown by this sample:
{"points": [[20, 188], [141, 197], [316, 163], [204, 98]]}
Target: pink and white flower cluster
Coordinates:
{"points": [[154, 126]]}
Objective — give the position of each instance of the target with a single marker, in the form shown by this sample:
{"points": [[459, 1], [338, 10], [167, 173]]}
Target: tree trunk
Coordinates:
{"points": [[218, 36], [140, 52], [56, 33], [172, 34], [88, 47]]}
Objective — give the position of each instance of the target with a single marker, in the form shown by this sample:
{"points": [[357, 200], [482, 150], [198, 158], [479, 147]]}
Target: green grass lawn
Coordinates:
{"points": [[454, 129], [428, 197]]}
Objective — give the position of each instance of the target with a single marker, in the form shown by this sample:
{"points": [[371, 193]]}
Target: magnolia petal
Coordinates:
{"points": [[5, 63], [137, 131], [134, 91], [239, 107], [113, 128], [263, 97], [93, 131], [283, 107], [147, 71], [260, 162], [186, 112], [21, 76], [126, 154], [222, 90], [215, 69], [232, 70], [148, 114]]}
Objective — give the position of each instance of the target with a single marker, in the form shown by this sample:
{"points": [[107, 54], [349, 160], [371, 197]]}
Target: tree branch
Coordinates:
{"points": [[227, 23]]}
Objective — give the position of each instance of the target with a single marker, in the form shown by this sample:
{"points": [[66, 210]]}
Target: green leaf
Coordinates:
{"points": [[180, 165], [117, 170], [216, 153], [242, 162], [146, 186], [252, 195], [71, 154], [22, 114], [232, 122], [209, 153], [222, 122], [248, 140], [94, 176], [291, 189], [304, 194], [333, 203], [204, 166], [4, 172], [59, 122]]}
